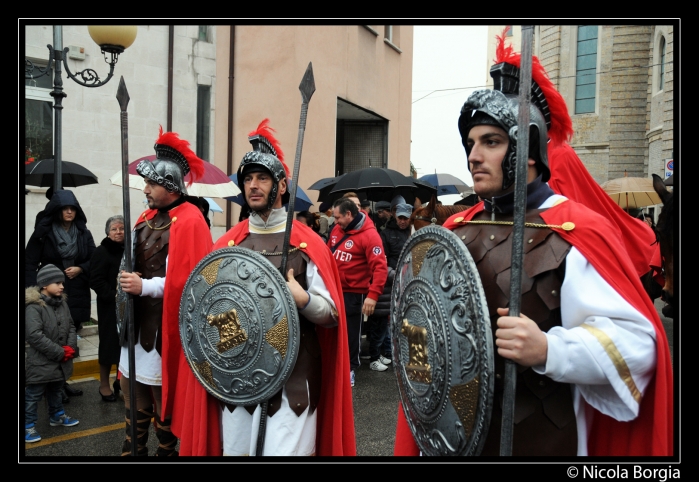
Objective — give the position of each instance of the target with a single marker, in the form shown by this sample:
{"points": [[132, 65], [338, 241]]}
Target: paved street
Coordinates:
{"points": [[101, 429]]}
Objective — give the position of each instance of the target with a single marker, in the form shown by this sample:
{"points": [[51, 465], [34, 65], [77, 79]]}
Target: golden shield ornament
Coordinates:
{"points": [[239, 326]]}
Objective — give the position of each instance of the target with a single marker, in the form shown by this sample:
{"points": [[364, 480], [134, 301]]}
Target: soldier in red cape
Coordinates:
{"points": [[312, 414], [594, 374], [169, 240]]}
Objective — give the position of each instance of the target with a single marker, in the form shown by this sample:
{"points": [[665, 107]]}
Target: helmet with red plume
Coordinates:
{"points": [[266, 156], [174, 160], [549, 118]]}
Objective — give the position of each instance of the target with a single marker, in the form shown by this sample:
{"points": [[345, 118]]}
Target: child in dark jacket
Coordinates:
{"points": [[50, 346]]}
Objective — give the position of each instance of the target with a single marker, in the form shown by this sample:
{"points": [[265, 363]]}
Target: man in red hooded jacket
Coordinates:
{"points": [[358, 251]]}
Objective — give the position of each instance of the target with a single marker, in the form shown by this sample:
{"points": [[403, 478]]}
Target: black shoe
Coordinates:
{"points": [[108, 398], [116, 386], [64, 397], [72, 392]]}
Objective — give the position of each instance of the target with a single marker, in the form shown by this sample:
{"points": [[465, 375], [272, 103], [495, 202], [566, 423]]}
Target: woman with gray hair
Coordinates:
{"points": [[103, 275]]}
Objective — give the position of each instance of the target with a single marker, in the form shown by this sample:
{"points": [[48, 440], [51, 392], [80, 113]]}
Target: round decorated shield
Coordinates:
{"points": [[442, 344], [239, 326]]}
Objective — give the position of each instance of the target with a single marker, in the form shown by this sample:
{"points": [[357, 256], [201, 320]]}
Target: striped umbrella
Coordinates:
{"points": [[214, 182]]}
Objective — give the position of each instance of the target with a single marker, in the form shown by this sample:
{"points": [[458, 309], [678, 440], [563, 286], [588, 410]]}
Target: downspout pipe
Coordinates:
{"points": [[170, 70], [229, 153]]}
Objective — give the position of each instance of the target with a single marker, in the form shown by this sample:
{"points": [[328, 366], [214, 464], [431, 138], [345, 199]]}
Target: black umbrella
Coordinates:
{"points": [[40, 173], [447, 184], [324, 186], [423, 190], [376, 182]]}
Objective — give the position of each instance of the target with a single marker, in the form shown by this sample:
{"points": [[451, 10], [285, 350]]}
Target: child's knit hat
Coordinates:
{"points": [[49, 274]]}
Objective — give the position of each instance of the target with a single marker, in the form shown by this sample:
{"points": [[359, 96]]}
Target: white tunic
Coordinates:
{"points": [[149, 365], [605, 348]]}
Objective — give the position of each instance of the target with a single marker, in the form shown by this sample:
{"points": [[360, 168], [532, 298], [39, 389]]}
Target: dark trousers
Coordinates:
{"points": [[377, 333], [353, 311]]}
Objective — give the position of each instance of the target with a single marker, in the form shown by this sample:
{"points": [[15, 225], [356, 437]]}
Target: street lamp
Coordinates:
{"points": [[112, 39]]}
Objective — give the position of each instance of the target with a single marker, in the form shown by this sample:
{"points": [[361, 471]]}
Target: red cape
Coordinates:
{"points": [[198, 431], [335, 427], [651, 433], [570, 178]]}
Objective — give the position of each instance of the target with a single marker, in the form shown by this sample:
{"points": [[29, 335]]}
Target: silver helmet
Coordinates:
{"points": [[174, 159], [165, 172], [265, 156], [500, 107]]}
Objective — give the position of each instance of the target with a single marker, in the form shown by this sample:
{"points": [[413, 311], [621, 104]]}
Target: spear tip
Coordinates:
{"points": [[308, 84], [122, 95]]}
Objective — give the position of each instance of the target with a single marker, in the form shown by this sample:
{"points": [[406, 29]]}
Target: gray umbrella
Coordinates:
{"points": [[40, 173]]}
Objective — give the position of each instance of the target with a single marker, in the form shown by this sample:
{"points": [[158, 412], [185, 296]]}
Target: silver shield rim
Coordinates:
{"points": [[438, 302], [239, 326]]}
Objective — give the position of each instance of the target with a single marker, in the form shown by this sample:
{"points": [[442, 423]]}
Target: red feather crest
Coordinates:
{"points": [[561, 124], [196, 165], [264, 130]]}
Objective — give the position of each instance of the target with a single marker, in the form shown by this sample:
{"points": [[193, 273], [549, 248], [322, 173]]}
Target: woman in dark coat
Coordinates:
{"points": [[104, 268], [61, 238]]}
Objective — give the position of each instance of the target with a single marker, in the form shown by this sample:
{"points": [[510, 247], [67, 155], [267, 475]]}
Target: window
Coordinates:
{"points": [[203, 33], [203, 120], [38, 117], [661, 77], [586, 69], [361, 144], [392, 37]]}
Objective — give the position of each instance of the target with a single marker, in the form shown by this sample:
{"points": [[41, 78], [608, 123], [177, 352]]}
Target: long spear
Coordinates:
{"points": [[123, 98], [520, 207], [307, 88]]}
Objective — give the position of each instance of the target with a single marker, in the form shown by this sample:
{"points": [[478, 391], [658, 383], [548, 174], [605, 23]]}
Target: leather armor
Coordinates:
{"points": [[544, 417], [307, 370], [150, 260]]}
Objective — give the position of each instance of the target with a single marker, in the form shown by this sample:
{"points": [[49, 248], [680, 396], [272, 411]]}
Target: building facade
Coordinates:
{"points": [[213, 84]]}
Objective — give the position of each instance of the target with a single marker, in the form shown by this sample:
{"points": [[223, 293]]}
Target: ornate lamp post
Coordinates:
{"points": [[112, 39]]}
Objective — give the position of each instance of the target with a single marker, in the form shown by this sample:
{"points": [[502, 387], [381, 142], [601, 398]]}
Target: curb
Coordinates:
{"points": [[86, 368]]}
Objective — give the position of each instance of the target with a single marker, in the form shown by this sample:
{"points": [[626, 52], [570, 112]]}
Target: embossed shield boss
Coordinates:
{"points": [[239, 326], [442, 344]]}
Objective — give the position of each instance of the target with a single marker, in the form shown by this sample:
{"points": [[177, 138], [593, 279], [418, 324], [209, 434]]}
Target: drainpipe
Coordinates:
{"points": [[229, 153], [170, 56]]}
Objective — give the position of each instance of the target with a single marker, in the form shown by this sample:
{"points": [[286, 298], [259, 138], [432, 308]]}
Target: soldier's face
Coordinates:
{"points": [[157, 196], [488, 145], [258, 187]]}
